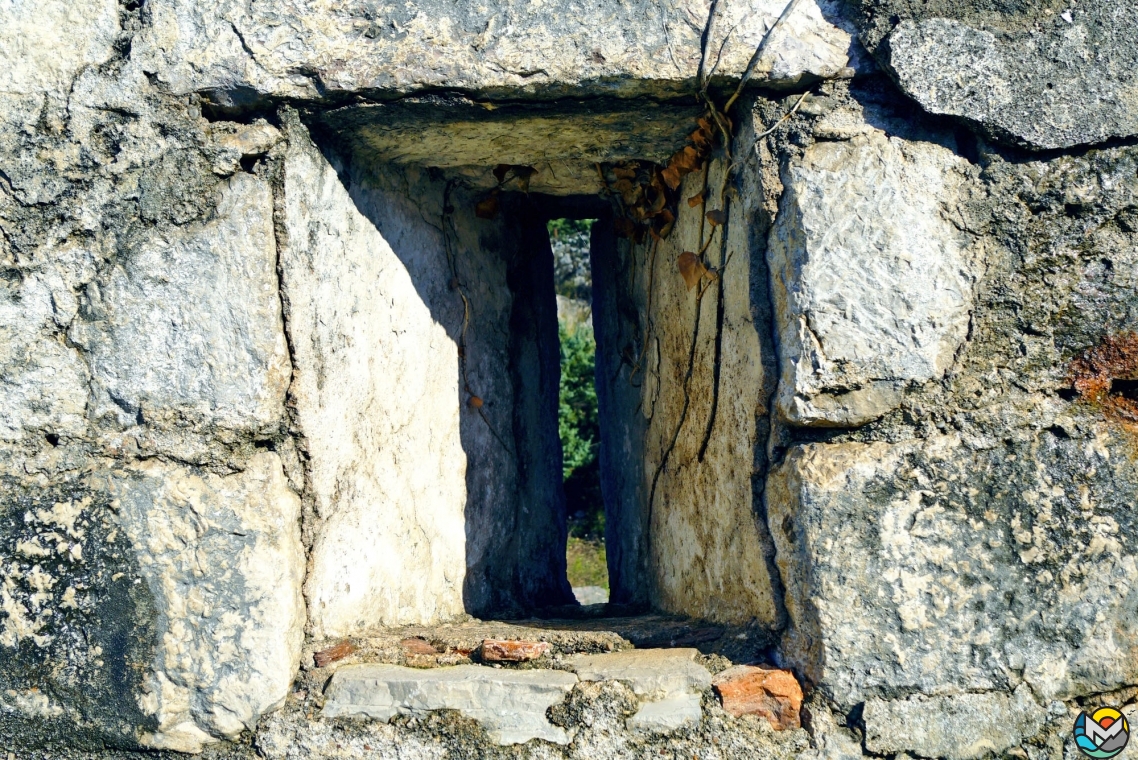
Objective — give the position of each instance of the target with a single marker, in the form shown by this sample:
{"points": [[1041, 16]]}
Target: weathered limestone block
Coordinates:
{"points": [[939, 568], [376, 389], [1046, 77], [43, 382], [872, 282], [43, 45], [187, 329], [238, 54], [224, 563], [682, 461], [511, 704], [959, 727]]}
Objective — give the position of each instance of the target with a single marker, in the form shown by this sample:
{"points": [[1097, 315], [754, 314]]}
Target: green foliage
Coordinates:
{"points": [[561, 228], [580, 433], [577, 410]]}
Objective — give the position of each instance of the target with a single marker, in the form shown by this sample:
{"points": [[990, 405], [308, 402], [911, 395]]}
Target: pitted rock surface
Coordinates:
{"points": [[1044, 75], [872, 282]]}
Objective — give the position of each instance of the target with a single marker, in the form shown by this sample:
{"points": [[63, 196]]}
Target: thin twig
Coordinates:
{"points": [[778, 123], [750, 70]]}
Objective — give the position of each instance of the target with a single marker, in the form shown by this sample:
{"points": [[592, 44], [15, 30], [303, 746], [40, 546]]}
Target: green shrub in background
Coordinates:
{"points": [[577, 412], [580, 433]]}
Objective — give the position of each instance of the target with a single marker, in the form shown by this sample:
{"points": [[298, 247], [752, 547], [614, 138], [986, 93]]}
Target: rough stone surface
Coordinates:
{"points": [[239, 55], [1043, 75], [224, 563], [650, 673], [751, 690], [44, 45], [43, 382], [935, 565], [872, 282], [686, 382], [510, 704], [187, 331], [367, 370], [668, 683], [958, 727]]}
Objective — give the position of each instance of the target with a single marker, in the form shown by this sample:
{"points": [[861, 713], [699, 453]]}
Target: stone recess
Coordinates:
{"points": [[237, 54], [511, 704], [958, 727], [376, 392], [1053, 80], [187, 329], [938, 567], [872, 283], [223, 560]]}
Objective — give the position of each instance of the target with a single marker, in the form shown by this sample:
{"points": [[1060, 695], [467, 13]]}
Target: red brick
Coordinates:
{"points": [[494, 650], [333, 653], [418, 646], [771, 694]]}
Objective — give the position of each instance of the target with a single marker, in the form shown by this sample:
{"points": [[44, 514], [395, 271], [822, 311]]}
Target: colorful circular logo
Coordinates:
{"points": [[1102, 734]]}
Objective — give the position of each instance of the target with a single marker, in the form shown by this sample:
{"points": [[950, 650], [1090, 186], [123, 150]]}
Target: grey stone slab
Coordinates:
{"points": [[188, 329], [236, 52], [955, 727], [511, 704], [650, 673]]}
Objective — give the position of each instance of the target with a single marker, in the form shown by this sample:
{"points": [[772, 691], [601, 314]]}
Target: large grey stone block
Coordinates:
{"points": [[377, 392], [1045, 78], [224, 563], [938, 568], [238, 53], [187, 329], [871, 280], [511, 704]]}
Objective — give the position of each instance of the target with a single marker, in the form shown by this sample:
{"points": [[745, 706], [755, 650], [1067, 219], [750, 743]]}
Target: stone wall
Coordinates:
{"points": [[278, 352]]}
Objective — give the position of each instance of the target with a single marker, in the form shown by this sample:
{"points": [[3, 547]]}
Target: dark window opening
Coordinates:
{"points": [[1126, 388], [578, 423]]}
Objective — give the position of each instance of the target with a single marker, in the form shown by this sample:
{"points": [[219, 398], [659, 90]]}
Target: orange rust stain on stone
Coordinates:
{"points": [[1098, 373]]}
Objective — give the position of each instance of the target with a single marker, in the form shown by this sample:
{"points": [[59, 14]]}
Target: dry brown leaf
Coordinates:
{"points": [[716, 217], [623, 226], [487, 208], [624, 172], [687, 158], [672, 176], [691, 268], [475, 402], [666, 220], [695, 200]]}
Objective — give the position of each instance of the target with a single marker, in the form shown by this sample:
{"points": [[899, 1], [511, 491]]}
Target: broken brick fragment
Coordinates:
{"points": [[333, 653], [418, 646], [495, 650], [771, 694]]}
